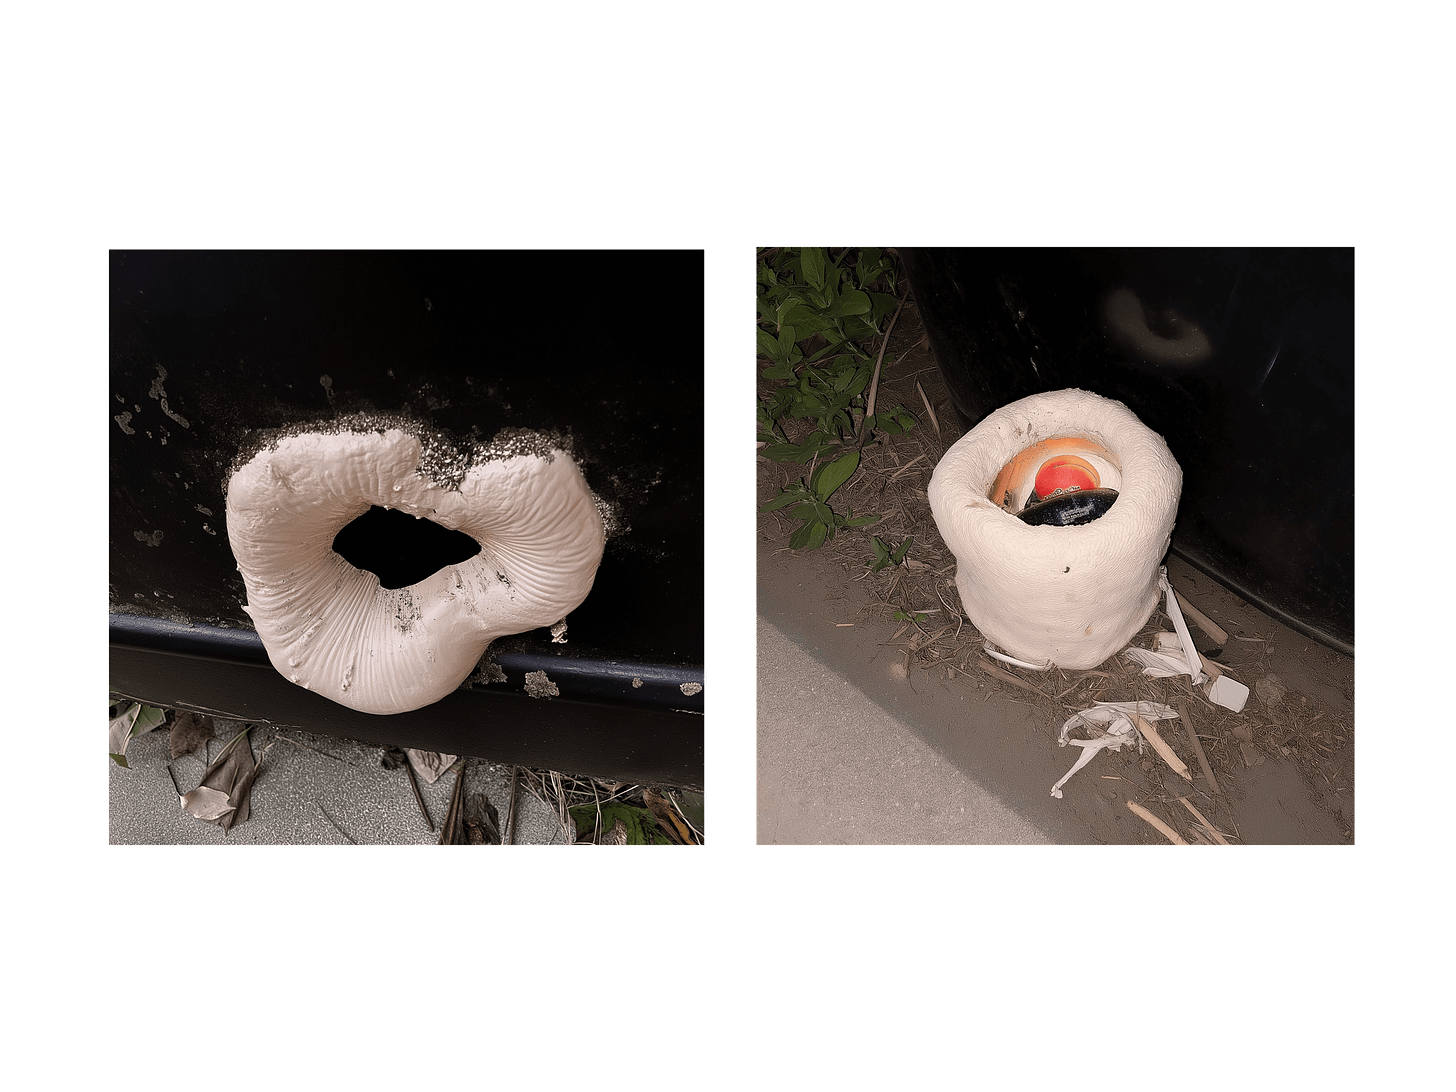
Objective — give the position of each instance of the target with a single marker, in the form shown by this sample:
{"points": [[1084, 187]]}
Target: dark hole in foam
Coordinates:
{"points": [[400, 549]]}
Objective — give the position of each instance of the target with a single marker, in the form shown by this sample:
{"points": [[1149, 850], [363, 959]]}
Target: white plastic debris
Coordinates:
{"points": [[1192, 659], [1112, 719], [1089, 748], [1229, 693], [1174, 654], [990, 650], [1160, 665]]}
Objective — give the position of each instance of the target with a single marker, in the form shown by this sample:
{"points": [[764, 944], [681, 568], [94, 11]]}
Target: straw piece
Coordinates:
{"points": [[1165, 752], [928, 408], [1005, 676], [1198, 749], [1203, 819], [1203, 621], [1157, 824]]}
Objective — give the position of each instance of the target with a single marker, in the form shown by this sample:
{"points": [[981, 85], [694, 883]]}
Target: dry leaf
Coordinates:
{"points": [[617, 836], [482, 821], [232, 773], [667, 819], [135, 720], [1271, 689], [430, 764], [118, 732], [189, 732], [205, 803]]}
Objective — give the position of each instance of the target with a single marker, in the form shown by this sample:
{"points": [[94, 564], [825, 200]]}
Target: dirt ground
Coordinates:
{"points": [[1283, 767]]}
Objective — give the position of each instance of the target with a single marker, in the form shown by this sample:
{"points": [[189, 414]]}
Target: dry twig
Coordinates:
{"points": [[1157, 824]]}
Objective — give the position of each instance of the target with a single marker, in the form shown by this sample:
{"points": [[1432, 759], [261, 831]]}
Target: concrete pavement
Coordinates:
{"points": [[834, 767], [311, 790]]}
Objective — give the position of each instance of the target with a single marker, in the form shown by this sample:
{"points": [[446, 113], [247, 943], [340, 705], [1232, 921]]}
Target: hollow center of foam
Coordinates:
{"points": [[400, 549]]}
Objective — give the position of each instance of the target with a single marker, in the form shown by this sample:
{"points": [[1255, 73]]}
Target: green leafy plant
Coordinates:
{"points": [[807, 295], [819, 313], [812, 500], [804, 291], [884, 557], [894, 422], [902, 616], [639, 824]]}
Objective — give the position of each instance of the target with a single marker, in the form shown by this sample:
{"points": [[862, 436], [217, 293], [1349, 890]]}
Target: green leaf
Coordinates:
{"points": [[899, 554], [853, 302], [811, 260], [831, 476], [868, 261], [786, 497], [768, 345], [640, 824], [120, 760], [881, 305], [809, 537], [780, 453], [807, 325]]}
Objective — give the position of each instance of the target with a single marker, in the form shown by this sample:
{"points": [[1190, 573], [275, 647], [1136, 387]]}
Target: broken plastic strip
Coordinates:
{"points": [[1089, 748], [1012, 660], [1161, 665], [1086, 756], [1176, 614]]}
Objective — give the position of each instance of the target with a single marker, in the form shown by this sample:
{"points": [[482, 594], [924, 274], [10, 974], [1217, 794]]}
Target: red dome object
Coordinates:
{"points": [[1065, 472]]}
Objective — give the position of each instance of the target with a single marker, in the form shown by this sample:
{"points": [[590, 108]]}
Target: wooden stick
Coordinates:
{"points": [[509, 836], [1203, 621], [451, 823], [1006, 676], [875, 382], [420, 800], [906, 467], [333, 824], [1161, 827], [1206, 824], [1164, 751], [928, 410], [1198, 749]]}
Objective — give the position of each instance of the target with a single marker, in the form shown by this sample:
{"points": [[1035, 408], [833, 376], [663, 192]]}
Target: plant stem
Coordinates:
{"points": [[875, 382]]}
